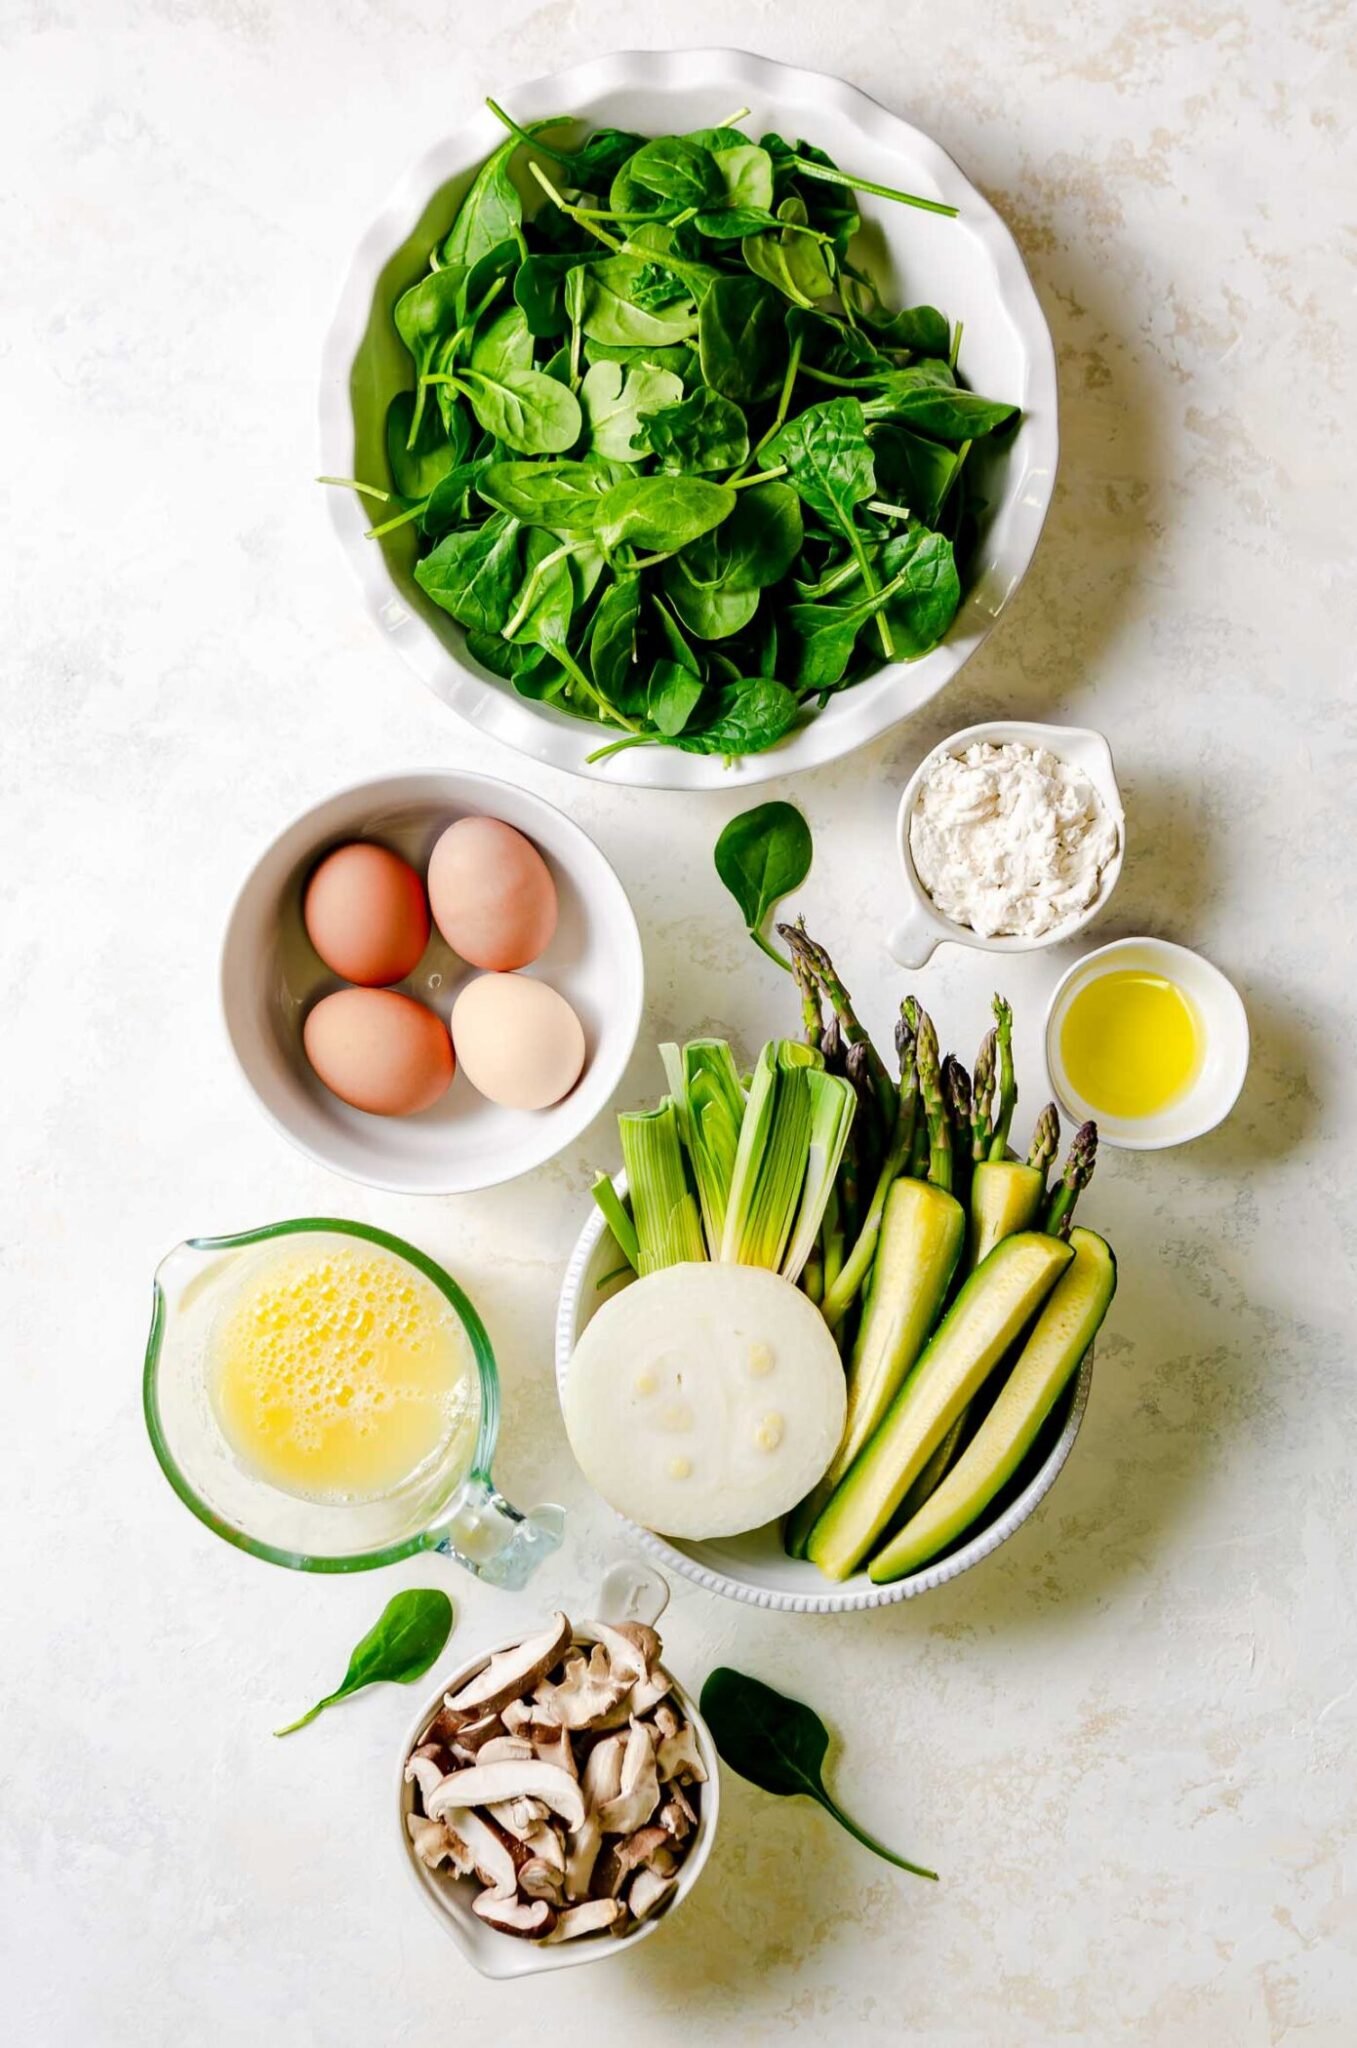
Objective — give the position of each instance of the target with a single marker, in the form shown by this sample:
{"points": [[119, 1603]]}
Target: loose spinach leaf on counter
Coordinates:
{"points": [[779, 1745], [761, 856], [663, 451], [402, 1643]]}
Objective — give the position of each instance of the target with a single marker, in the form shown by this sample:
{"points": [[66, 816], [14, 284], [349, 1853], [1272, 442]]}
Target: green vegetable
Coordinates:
{"points": [[987, 1316], [1060, 1338], [403, 1642], [779, 1745], [761, 856], [770, 1160], [668, 1227], [635, 372], [1005, 1197], [1076, 1177], [709, 1099], [833, 1105]]}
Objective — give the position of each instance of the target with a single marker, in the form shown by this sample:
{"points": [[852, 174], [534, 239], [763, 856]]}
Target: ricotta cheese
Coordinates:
{"points": [[1010, 841]]}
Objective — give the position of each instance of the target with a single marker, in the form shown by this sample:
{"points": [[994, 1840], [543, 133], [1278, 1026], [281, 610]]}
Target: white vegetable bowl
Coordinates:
{"points": [[754, 1567], [969, 267], [270, 977], [630, 1592], [923, 928]]}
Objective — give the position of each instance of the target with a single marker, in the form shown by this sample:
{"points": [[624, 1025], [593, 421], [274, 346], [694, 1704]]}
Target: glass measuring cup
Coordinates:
{"points": [[452, 1506]]}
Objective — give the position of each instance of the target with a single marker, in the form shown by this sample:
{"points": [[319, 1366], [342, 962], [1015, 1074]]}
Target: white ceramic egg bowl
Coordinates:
{"points": [[968, 267], [754, 1567], [271, 976]]}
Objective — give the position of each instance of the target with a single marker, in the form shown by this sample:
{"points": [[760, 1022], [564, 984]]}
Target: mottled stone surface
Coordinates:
{"points": [[1127, 1742]]}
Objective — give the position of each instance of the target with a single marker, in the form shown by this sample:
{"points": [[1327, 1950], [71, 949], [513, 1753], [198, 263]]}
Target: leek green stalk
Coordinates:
{"points": [[832, 1105], [770, 1160], [668, 1226], [709, 1102]]}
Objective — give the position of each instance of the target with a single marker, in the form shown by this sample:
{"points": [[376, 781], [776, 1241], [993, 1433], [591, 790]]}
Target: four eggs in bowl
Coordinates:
{"points": [[492, 897]]}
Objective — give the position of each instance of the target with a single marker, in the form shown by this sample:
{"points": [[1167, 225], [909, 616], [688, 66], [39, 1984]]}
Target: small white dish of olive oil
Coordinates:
{"points": [[1150, 1041]]}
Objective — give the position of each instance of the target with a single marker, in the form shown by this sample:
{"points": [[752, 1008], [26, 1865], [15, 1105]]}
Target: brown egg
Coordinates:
{"points": [[379, 1050], [492, 894], [366, 915], [517, 1041]]}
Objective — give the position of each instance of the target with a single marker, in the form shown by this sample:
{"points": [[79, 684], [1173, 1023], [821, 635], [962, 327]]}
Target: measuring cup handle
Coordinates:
{"points": [[494, 1540], [915, 939], [631, 1591]]}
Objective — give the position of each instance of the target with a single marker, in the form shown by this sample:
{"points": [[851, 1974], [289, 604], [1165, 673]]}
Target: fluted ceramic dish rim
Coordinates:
{"points": [[720, 78], [858, 1593]]}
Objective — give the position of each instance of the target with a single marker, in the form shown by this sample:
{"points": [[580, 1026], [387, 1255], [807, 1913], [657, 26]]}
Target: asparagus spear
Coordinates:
{"points": [[832, 1047], [812, 1021], [1008, 1087], [872, 1139], [821, 967], [956, 1093], [935, 1109], [844, 1289], [1078, 1173], [1045, 1139], [982, 1097]]}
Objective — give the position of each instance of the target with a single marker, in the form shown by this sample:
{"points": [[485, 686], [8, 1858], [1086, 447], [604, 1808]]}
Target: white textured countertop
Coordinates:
{"points": [[1127, 1742]]}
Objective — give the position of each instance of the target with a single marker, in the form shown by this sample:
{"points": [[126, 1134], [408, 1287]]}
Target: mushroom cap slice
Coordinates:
{"points": [[553, 1746], [602, 1778], [678, 1757], [434, 1843], [640, 1789], [539, 1879], [532, 1918], [488, 1784], [424, 1772], [581, 1858], [648, 1891], [518, 1817], [589, 1690], [511, 1673], [595, 1916], [486, 1851], [505, 1749]]}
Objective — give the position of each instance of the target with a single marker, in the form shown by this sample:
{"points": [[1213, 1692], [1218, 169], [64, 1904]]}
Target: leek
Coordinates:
{"points": [[770, 1159], [709, 1102], [618, 1220], [832, 1103], [668, 1226]]}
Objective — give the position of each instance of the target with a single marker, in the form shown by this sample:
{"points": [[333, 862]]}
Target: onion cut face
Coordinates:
{"points": [[705, 1400]]}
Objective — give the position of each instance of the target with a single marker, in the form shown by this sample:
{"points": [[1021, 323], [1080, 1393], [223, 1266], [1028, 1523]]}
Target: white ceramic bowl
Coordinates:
{"points": [[1225, 1059], [969, 267], [754, 1567], [270, 977], [923, 928], [449, 1898]]}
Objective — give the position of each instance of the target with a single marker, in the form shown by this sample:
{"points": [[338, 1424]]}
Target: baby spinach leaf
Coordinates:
{"points": [[761, 856], [564, 496], [791, 262], [426, 319], [925, 396], [678, 169], [403, 1642], [473, 574], [703, 432], [608, 314], [921, 329], [549, 591], [925, 589], [502, 343], [417, 466], [750, 716], [491, 212], [711, 611], [662, 512], [778, 1744], [613, 397], [911, 471], [612, 643], [742, 341], [714, 583], [538, 284], [828, 459], [446, 505], [672, 697], [526, 410]]}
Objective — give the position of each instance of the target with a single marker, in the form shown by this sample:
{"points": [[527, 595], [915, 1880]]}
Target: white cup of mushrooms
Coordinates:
{"points": [[558, 1795]]}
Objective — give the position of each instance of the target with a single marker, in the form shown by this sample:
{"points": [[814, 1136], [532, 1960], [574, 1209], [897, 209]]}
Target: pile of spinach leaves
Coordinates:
{"points": [[673, 464]]}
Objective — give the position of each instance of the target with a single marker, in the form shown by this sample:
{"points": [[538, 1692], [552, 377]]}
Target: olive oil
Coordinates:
{"points": [[1131, 1043]]}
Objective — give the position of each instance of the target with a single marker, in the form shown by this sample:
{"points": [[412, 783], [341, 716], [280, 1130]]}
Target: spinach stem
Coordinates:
{"points": [[890, 511], [835, 177], [764, 476], [882, 623], [870, 1841], [351, 483], [764, 946], [573, 669], [732, 120], [401, 519], [575, 212], [957, 333], [528, 597], [556, 155], [818, 376]]}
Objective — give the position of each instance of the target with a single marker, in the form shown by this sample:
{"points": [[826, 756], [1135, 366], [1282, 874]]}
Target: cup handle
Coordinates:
{"points": [[915, 940], [496, 1542], [631, 1591]]}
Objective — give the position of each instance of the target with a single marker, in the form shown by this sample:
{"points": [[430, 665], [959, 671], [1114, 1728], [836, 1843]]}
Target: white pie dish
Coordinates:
{"points": [[754, 1567], [970, 267], [630, 1592], [270, 976], [923, 928]]}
